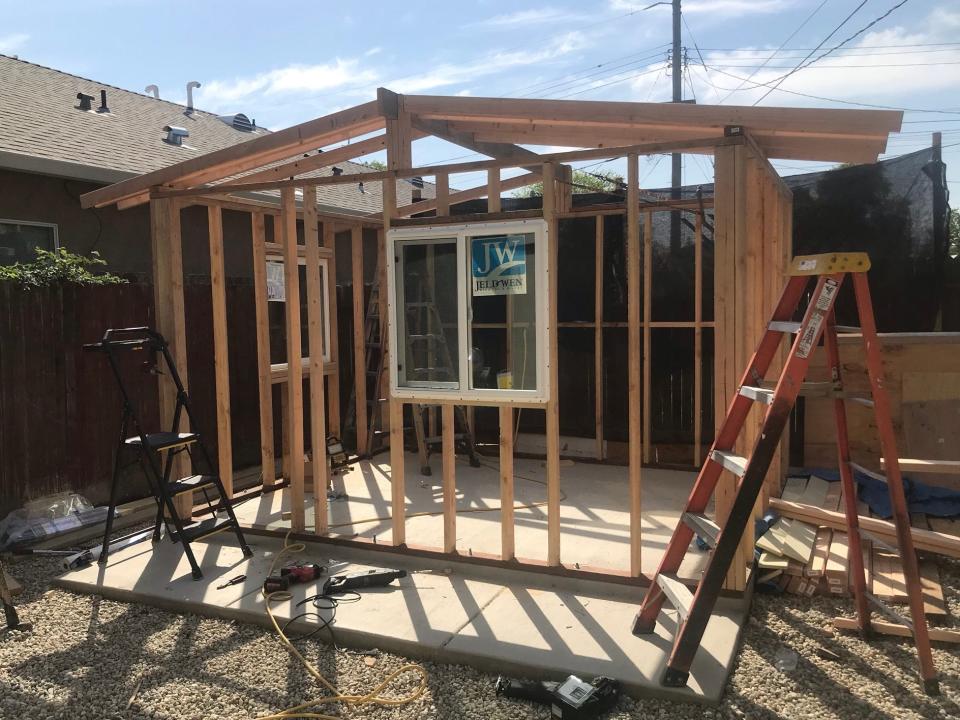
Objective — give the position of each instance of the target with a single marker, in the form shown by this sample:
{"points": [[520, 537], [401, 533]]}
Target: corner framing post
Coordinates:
{"points": [[221, 354], [315, 332], [268, 463], [170, 319], [398, 133], [294, 419], [553, 404], [634, 353]]}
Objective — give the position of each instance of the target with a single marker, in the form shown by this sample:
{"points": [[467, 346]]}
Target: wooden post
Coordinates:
{"points": [[598, 335], [359, 340], [315, 332], [553, 404], [333, 380], [294, 420], [493, 191], [221, 356], [647, 328], [449, 480], [698, 339], [442, 180], [171, 321], [507, 548], [636, 442], [267, 459]]}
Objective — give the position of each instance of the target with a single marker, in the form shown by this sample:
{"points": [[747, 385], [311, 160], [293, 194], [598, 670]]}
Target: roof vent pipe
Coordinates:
{"points": [[190, 86], [103, 102], [152, 90]]}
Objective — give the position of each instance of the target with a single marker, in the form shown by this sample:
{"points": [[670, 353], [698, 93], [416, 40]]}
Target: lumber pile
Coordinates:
{"points": [[806, 551]]}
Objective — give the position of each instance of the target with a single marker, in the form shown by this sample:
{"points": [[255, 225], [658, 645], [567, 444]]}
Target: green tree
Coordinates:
{"points": [[376, 164], [583, 182], [953, 235]]}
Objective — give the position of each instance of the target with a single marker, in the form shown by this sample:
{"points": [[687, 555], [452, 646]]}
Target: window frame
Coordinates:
{"points": [[273, 257], [36, 223], [460, 233]]}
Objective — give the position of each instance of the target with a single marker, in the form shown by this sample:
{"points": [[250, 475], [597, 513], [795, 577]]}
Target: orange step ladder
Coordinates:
{"points": [[695, 608]]}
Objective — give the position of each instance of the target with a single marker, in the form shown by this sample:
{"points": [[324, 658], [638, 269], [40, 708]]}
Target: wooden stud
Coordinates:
{"points": [[647, 329], [493, 190], [294, 419], [507, 547], [449, 481], [359, 339], [333, 379], [698, 340], [634, 352], [598, 335], [442, 183], [221, 355], [553, 404], [267, 459], [171, 320], [473, 193], [315, 333]]}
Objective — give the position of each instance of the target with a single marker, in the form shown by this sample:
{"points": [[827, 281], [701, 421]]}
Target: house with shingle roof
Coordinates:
{"points": [[62, 135]]}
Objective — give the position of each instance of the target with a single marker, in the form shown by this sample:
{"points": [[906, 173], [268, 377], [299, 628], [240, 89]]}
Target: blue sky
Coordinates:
{"points": [[284, 63]]}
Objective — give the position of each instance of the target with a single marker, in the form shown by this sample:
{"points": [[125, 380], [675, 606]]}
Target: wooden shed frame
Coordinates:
{"points": [[752, 235]]}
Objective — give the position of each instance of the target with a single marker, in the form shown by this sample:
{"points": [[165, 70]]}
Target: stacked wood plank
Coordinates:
{"points": [[807, 558]]}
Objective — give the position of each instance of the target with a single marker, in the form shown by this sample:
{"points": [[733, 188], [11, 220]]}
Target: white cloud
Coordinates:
{"points": [[306, 79], [13, 42], [527, 17], [373, 51], [446, 74], [868, 70]]}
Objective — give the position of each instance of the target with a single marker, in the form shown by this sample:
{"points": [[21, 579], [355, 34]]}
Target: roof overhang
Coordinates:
{"points": [[504, 125]]}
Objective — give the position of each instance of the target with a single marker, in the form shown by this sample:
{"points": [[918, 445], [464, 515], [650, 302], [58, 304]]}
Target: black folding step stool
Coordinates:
{"points": [[156, 451]]}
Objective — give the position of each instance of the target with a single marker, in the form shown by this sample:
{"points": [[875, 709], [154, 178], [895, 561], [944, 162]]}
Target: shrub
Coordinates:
{"points": [[59, 266]]}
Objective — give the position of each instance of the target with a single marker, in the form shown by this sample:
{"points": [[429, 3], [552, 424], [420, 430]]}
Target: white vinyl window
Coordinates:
{"points": [[276, 292], [468, 312], [20, 238]]}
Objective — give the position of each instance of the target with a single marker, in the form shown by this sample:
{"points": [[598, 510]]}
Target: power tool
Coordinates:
{"points": [[572, 699], [293, 574], [375, 577]]}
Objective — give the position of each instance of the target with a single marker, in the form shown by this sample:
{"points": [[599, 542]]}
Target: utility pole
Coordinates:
{"points": [[676, 158]]}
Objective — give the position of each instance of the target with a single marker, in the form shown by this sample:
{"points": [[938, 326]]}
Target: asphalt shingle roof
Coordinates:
{"points": [[39, 118]]}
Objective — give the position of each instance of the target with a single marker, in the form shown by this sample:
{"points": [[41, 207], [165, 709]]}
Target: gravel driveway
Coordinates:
{"points": [[93, 658]]}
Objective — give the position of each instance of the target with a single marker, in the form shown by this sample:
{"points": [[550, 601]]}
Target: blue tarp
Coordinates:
{"points": [[935, 501]]}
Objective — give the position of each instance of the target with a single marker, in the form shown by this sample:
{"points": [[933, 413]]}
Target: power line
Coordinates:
{"points": [[822, 43], [757, 84], [782, 45], [615, 70], [830, 67]]}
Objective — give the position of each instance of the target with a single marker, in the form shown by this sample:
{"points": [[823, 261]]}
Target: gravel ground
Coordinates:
{"points": [[90, 658]]}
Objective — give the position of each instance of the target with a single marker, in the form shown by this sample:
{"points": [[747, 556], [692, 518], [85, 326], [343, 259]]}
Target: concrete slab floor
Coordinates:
{"points": [[594, 510], [502, 621]]}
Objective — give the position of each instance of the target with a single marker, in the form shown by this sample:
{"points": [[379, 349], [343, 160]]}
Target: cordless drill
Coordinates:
{"points": [[292, 575]]}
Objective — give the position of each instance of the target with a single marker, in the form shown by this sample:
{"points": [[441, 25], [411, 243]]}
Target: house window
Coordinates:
{"points": [[19, 240], [276, 293], [468, 311]]}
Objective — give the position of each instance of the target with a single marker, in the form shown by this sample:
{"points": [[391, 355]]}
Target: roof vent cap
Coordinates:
{"points": [[190, 86], [103, 102], [175, 135], [152, 90], [239, 122], [337, 171], [86, 102], [417, 182]]}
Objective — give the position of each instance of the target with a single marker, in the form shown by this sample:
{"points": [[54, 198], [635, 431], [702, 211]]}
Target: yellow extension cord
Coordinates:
{"points": [[373, 697]]}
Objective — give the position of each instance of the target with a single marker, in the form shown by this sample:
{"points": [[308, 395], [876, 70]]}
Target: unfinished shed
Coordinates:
{"points": [[493, 344]]}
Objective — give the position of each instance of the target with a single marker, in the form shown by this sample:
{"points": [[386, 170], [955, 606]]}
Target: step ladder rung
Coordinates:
{"points": [[164, 440], [677, 593], [760, 394], [860, 400], [732, 462], [191, 483], [703, 526], [878, 542], [205, 528], [784, 326], [869, 473]]}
